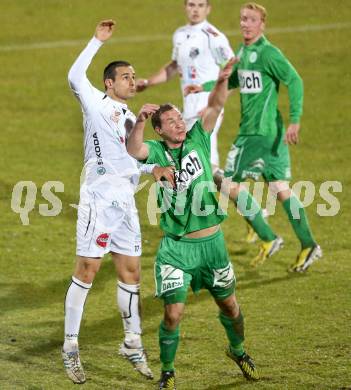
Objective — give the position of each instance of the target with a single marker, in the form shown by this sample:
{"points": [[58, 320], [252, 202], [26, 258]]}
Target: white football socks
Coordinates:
{"points": [[74, 303], [128, 303]]}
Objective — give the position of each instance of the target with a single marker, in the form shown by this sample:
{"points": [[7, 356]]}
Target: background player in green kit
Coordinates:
{"points": [[261, 148], [192, 252]]}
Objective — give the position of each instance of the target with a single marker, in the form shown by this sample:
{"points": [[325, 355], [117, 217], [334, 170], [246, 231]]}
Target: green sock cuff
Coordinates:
{"points": [[168, 333], [228, 320], [292, 207], [234, 328], [247, 204]]}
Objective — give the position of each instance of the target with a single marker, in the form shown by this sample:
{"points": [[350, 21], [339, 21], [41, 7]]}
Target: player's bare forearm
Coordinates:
{"points": [[136, 146], [217, 97], [136, 141], [163, 75], [219, 94]]}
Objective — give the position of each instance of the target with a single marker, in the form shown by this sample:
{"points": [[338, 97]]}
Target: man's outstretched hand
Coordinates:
{"points": [[228, 69], [105, 29], [223, 75]]}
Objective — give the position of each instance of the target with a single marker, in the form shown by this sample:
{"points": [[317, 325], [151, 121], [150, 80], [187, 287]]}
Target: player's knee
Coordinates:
{"points": [[229, 188], [86, 271], [129, 275], [279, 189], [173, 315], [230, 307]]}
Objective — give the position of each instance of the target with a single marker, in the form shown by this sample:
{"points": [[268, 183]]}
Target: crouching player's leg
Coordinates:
{"points": [[219, 279], [172, 284], [232, 320], [168, 341]]}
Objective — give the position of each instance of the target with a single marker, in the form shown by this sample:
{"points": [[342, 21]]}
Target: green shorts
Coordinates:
{"points": [[196, 262], [253, 156]]}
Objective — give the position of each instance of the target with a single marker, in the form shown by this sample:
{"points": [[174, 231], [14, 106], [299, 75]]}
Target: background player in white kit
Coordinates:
{"points": [[107, 216], [199, 51]]}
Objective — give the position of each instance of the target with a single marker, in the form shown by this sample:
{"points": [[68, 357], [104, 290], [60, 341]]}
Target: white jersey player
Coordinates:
{"points": [[199, 51], [107, 216]]}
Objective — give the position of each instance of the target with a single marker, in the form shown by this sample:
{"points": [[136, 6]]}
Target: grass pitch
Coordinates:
{"points": [[297, 326]]}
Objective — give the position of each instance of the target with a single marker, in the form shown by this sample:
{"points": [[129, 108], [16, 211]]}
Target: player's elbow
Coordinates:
{"points": [[132, 151], [70, 79], [73, 80]]}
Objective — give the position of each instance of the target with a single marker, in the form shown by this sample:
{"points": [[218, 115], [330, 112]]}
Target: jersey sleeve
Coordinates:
{"points": [[278, 66], [199, 136], [146, 169], [77, 77], [175, 47], [220, 49], [154, 151]]}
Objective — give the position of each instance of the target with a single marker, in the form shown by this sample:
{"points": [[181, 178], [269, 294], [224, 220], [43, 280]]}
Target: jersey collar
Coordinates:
{"points": [[198, 26], [259, 42], [122, 105]]}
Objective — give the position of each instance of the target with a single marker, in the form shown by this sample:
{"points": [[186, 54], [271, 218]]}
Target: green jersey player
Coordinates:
{"points": [[261, 148], [192, 252]]}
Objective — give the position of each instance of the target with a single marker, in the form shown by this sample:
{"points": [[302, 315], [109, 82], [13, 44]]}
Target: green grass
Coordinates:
{"points": [[297, 325]]}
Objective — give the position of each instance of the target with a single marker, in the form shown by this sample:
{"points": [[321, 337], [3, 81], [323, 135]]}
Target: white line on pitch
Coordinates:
{"points": [[153, 38]]}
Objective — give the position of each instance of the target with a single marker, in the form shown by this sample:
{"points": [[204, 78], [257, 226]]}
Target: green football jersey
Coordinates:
{"points": [[192, 205], [258, 74]]}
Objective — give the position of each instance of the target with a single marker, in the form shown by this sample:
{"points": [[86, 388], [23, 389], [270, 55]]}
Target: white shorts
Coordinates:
{"points": [[107, 223]]}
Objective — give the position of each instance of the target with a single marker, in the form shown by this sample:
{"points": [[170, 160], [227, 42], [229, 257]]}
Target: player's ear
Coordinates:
{"points": [[158, 130], [208, 9], [108, 83]]}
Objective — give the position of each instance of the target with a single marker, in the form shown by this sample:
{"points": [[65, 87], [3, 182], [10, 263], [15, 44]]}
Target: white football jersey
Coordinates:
{"points": [[199, 50], [106, 125]]}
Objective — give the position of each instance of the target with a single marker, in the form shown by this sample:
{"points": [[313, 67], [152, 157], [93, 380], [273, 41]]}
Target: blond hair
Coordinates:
{"points": [[256, 7]]}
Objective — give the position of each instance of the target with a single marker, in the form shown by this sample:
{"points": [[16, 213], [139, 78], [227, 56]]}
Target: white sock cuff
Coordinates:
{"points": [[131, 288], [81, 284]]}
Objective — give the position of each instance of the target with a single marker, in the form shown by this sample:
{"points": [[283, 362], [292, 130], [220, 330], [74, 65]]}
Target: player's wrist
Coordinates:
{"points": [[96, 41], [294, 120]]}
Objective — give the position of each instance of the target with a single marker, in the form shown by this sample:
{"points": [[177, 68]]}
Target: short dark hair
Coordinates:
{"points": [[110, 69], [156, 116]]}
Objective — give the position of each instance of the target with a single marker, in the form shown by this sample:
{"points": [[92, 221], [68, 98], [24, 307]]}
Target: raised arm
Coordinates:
{"points": [[77, 76], [164, 74], [218, 97], [136, 146]]}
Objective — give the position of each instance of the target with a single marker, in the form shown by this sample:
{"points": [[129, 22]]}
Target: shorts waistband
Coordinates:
{"points": [[201, 239]]}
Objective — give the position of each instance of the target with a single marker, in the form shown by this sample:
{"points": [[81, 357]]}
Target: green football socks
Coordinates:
{"points": [[234, 328], [168, 340], [249, 208], [299, 221]]}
